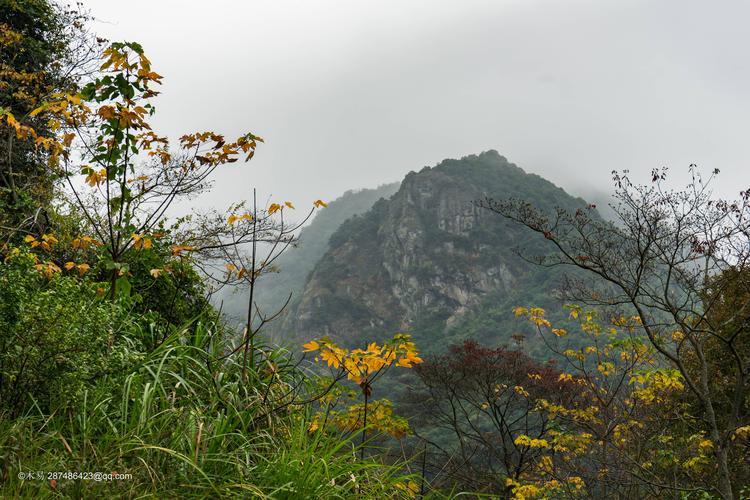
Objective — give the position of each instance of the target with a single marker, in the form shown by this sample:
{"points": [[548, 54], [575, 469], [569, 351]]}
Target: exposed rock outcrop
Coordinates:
{"points": [[427, 258]]}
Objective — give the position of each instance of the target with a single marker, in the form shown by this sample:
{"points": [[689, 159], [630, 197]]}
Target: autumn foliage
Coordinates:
{"points": [[487, 401], [363, 367]]}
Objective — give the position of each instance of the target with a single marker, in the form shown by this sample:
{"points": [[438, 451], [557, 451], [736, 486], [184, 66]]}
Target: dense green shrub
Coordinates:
{"points": [[57, 336], [176, 296]]}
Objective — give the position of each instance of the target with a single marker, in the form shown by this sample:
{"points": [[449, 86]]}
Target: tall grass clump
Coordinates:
{"points": [[183, 422]]}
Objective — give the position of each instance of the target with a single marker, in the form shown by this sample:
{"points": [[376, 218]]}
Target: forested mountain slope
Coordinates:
{"points": [[430, 262]]}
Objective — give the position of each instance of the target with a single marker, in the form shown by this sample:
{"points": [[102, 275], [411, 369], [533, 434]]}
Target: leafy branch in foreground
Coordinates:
{"points": [[131, 174], [364, 367], [225, 259]]}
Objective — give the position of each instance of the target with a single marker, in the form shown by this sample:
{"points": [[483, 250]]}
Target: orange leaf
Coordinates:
{"points": [[178, 249]]}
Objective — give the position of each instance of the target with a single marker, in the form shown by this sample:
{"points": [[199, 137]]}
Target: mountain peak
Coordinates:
{"points": [[427, 259]]}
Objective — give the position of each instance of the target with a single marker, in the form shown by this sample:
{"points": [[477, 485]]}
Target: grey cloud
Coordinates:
{"points": [[354, 94]]}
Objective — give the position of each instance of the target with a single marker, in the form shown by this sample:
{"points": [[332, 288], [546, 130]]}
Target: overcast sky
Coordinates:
{"points": [[352, 93]]}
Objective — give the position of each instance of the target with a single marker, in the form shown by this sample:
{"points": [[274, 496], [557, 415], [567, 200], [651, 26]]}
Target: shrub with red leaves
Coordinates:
{"points": [[473, 402]]}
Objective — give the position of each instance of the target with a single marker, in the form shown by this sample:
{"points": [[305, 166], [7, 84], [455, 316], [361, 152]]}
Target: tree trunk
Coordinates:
{"points": [[113, 284], [725, 479]]}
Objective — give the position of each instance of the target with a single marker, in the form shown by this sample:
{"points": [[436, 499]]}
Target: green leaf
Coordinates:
{"points": [[122, 287]]}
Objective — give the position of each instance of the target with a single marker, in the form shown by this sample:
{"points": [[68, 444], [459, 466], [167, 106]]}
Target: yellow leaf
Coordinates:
{"points": [[275, 207], [70, 265], [403, 362], [330, 358], [311, 346], [289, 204], [147, 243], [232, 219], [29, 239], [155, 272], [374, 364], [520, 311], [320, 203], [521, 391], [49, 239], [92, 179], [68, 139], [82, 268], [95, 178]]}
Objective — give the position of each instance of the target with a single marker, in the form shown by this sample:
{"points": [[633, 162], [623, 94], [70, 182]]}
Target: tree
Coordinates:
{"points": [[226, 261], [131, 178], [364, 367], [56, 336], [728, 293], [132, 175], [44, 49], [485, 399], [627, 433], [664, 258]]}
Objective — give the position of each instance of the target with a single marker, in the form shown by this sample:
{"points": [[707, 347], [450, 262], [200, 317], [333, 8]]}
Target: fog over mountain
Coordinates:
{"points": [[356, 94]]}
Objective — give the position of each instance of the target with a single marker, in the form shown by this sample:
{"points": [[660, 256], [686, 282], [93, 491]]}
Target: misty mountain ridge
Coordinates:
{"points": [[421, 257]]}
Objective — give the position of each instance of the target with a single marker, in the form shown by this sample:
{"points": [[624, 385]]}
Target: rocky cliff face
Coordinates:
{"points": [[427, 260]]}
